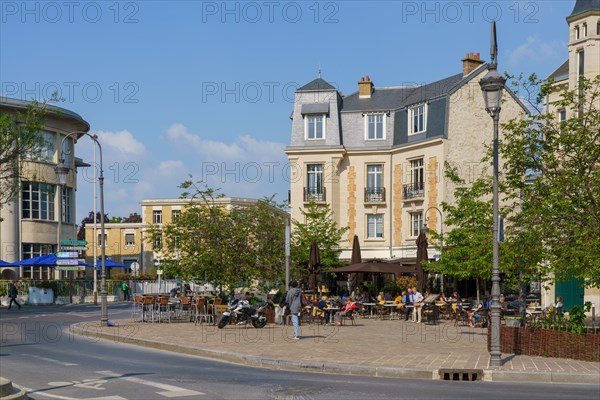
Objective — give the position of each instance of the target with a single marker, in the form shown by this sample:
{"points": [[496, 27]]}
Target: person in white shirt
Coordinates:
{"points": [[418, 299]]}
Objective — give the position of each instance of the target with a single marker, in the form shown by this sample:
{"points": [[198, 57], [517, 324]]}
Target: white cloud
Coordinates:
{"points": [[535, 50], [243, 148], [123, 141]]}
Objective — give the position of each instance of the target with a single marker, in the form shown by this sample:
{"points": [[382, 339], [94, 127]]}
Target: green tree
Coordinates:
{"points": [[318, 226], [20, 140], [561, 199], [222, 244]]}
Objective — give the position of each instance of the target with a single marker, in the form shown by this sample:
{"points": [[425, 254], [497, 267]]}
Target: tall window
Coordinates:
{"points": [[315, 126], [417, 119], [31, 250], [38, 201], [584, 30], [175, 214], [375, 126], [580, 64], [598, 28], [48, 145], [129, 239], [157, 243], [102, 237], [576, 32], [157, 216], [314, 183], [67, 205], [374, 190], [375, 226], [416, 223], [417, 175]]}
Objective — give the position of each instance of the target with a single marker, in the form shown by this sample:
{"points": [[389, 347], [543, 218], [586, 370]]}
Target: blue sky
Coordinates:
{"points": [[206, 87]]}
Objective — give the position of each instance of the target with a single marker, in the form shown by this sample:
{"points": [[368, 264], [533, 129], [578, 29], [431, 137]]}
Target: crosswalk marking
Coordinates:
{"points": [[42, 392], [168, 390]]}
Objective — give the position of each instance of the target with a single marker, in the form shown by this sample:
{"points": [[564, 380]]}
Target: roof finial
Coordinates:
{"points": [[319, 75], [494, 46]]}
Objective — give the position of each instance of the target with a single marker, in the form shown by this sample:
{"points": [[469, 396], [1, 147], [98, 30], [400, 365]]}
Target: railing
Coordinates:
{"points": [[314, 194], [374, 195], [413, 190]]}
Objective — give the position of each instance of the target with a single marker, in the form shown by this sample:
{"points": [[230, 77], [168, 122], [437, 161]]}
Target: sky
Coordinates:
{"points": [[206, 88]]}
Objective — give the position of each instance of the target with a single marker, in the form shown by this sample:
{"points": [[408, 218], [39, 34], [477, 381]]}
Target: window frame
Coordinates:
{"points": [[155, 214], [132, 242], [38, 198], [411, 119], [367, 124], [377, 221], [411, 228], [307, 124]]}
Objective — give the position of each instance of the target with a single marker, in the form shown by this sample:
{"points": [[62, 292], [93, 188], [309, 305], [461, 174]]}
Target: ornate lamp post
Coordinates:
{"points": [[492, 85], [61, 175], [441, 234]]}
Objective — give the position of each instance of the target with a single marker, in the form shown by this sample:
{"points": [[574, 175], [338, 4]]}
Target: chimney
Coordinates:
{"points": [[365, 88], [470, 63]]}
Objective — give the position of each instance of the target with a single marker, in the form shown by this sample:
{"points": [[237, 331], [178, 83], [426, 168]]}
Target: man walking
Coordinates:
{"points": [[125, 289], [13, 293], [293, 300], [417, 299]]}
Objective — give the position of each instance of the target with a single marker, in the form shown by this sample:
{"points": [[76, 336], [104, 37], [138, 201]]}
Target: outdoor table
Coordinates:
{"points": [[392, 308], [370, 305]]}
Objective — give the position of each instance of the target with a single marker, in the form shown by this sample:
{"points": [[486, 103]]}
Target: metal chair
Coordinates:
{"points": [[163, 308], [148, 307], [137, 307], [348, 315], [200, 310]]}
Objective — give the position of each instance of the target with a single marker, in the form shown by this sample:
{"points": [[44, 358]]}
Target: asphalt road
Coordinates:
{"points": [[38, 352]]}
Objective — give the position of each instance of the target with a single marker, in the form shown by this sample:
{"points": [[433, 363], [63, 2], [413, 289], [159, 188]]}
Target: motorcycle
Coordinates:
{"points": [[242, 312]]}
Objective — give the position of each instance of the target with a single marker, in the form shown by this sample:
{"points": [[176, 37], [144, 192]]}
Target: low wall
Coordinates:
{"points": [[549, 343]]}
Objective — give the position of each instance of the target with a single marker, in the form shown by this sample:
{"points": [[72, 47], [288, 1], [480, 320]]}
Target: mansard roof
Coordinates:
{"points": [[584, 6], [316, 85], [399, 97], [561, 72]]}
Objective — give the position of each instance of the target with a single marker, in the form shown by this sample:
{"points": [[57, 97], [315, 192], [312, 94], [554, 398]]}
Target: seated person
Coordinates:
{"points": [[388, 296], [365, 298], [187, 290], [558, 306], [455, 298], [321, 310], [348, 308], [475, 314], [175, 292], [381, 298], [443, 298], [400, 298]]}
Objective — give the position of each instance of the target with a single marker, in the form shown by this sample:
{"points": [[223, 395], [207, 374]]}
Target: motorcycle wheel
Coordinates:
{"points": [[224, 320], [260, 322]]}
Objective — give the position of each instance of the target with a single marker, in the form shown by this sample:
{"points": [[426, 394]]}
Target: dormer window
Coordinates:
{"points": [[375, 126], [314, 127], [417, 119]]}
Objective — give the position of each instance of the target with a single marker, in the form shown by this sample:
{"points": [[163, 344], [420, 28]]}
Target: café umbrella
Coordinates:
{"points": [[421, 256], [314, 264], [356, 258]]}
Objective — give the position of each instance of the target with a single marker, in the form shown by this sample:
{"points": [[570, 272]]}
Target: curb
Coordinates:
{"points": [[489, 375]]}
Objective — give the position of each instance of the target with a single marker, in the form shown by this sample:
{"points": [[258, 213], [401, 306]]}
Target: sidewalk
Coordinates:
{"points": [[373, 347]]}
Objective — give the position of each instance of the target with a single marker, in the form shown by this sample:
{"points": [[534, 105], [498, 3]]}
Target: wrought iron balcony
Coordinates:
{"points": [[374, 195], [316, 194], [413, 190]]}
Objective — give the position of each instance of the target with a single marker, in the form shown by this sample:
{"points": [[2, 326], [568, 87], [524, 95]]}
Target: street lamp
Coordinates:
{"points": [[61, 175], [492, 85]]}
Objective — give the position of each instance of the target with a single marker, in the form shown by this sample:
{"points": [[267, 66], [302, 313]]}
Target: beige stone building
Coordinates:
{"points": [[583, 61], [129, 242], [29, 226], [377, 156]]}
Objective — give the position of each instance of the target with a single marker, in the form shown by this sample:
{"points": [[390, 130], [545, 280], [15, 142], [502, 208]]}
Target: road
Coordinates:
{"points": [[38, 352]]}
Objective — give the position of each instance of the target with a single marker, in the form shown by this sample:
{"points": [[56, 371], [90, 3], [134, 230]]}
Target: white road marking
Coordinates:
{"points": [[85, 384], [56, 396], [169, 390], [52, 360]]}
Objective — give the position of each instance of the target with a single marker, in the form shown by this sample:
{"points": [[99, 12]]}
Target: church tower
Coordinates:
{"points": [[584, 41]]}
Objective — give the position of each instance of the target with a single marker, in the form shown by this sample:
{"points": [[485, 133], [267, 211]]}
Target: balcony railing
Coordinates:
{"points": [[314, 194], [413, 190], [374, 195]]}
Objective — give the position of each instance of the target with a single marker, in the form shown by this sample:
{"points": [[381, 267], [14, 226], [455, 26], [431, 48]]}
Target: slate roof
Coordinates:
{"points": [[583, 6], [316, 85], [561, 72], [395, 98]]}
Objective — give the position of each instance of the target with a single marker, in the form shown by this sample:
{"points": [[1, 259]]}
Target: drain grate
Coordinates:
{"points": [[461, 374]]}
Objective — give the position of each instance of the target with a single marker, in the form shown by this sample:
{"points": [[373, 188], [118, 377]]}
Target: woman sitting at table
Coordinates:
{"points": [[381, 298]]}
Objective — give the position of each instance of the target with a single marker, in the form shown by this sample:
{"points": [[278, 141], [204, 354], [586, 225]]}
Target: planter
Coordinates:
{"points": [[40, 296], [549, 343]]}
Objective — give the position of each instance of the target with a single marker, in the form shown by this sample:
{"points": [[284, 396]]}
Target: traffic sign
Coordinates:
{"points": [[67, 254], [70, 268], [67, 261], [73, 242], [73, 248]]}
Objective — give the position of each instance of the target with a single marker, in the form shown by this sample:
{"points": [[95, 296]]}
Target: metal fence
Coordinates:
{"points": [[82, 288]]}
